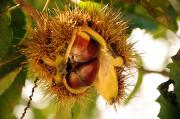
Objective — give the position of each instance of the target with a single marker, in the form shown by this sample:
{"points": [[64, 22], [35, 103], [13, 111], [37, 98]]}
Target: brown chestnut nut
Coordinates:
{"points": [[84, 75], [90, 53], [84, 48], [80, 44]]}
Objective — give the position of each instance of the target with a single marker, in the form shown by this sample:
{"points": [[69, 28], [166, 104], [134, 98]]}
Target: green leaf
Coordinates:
{"points": [[18, 24], [39, 4], [4, 5], [86, 5], [13, 25], [175, 4], [175, 73], [10, 63], [10, 98], [88, 108], [10, 59], [159, 12], [169, 100], [45, 112], [138, 21], [38, 114], [6, 34], [79, 111], [7, 80], [169, 106]]}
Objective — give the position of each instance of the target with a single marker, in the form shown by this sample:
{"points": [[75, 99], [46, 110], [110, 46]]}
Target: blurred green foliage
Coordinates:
{"points": [[5, 33], [10, 98]]}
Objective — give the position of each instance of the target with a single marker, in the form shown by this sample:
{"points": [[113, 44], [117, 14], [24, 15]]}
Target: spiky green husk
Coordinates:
{"points": [[52, 37]]}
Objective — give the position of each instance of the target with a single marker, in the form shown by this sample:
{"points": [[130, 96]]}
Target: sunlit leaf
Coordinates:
{"points": [[48, 111], [38, 4], [89, 108], [8, 79], [10, 98], [10, 63], [79, 111], [38, 114]]}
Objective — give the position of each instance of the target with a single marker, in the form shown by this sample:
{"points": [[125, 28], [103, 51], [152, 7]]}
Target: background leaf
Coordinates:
{"points": [[10, 98], [5, 4], [45, 112], [13, 28], [10, 63], [6, 34], [86, 111], [155, 16], [169, 106], [89, 109], [158, 11], [175, 73], [19, 23], [7, 80], [169, 100]]}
